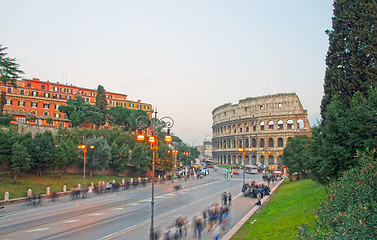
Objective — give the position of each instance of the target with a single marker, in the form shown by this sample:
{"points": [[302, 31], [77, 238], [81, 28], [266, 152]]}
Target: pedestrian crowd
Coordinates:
{"points": [[256, 190], [212, 220]]}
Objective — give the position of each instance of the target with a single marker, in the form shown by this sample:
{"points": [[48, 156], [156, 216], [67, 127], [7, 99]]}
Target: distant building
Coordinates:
{"points": [[42, 99], [206, 150], [260, 124]]}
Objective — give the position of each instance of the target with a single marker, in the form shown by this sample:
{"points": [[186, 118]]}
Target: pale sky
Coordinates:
{"points": [[186, 57]]}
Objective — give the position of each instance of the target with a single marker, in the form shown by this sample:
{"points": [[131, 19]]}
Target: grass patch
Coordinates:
{"points": [[292, 205], [229, 166], [38, 184]]}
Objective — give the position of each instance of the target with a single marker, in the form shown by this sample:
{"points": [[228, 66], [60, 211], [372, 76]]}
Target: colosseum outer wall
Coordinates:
{"points": [[260, 125]]}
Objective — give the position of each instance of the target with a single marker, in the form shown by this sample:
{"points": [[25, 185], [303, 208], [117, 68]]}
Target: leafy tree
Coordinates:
{"points": [[351, 61], [101, 103], [120, 157], [43, 152], [296, 153], [20, 160], [120, 116], [30, 117], [9, 71], [49, 121], [5, 119], [134, 115], [351, 211], [140, 157], [99, 157], [347, 130], [7, 140], [66, 155], [78, 112]]}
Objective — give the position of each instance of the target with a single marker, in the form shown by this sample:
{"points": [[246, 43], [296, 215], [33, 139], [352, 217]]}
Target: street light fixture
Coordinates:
{"points": [[155, 125], [243, 161], [84, 148]]}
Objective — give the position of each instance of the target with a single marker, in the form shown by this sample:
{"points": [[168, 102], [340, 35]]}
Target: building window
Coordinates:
{"points": [[69, 90], [9, 102], [21, 103], [92, 94], [56, 107], [81, 92], [56, 89], [62, 89], [22, 92], [47, 95], [45, 113], [21, 120], [43, 87], [28, 84], [35, 94], [261, 107], [61, 124], [86, 99], [46, 105], [34, 104], [39, 122], [57, 115], [9, 90], [279, 105]]}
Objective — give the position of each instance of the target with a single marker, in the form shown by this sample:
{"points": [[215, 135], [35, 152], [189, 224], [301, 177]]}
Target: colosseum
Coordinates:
{"points": [[259, 125]]}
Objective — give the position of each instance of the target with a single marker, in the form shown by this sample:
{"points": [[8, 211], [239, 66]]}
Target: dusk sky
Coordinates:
{"points": [[185, 57]]}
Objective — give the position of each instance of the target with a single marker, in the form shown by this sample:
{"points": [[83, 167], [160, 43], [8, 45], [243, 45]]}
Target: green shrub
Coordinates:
{"points": [[351, 210]]}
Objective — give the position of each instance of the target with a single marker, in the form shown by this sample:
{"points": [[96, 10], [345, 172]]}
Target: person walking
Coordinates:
{"points": [[198, 228], [229, 198]]}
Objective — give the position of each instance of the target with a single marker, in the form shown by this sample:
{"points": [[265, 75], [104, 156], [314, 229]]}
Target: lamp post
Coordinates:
{"points": [[84, 148], [155, 125], [243, 162]]}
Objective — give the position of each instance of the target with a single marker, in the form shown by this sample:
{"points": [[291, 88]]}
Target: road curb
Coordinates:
{"points": [[234, 230]]}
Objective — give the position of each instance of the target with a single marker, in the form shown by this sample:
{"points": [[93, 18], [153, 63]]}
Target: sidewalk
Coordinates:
{"points": [[265, 199]]}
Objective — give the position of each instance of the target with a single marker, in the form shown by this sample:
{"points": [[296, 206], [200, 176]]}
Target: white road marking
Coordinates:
{"points": [[38, 230], [96, 214], [71, 221]]}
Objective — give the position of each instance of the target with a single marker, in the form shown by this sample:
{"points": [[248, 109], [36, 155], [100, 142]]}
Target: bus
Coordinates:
{"points": [[251, 169], [210, 163]]}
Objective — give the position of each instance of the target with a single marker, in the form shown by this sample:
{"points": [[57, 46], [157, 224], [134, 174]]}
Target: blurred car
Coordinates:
{"points": [[235, 172]]}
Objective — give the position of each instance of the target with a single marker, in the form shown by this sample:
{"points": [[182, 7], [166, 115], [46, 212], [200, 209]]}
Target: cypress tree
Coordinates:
{"points": [[352, 55], [101, 103]]}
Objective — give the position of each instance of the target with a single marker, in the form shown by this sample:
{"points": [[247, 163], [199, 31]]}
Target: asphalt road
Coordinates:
{"points": [[127, 214]]}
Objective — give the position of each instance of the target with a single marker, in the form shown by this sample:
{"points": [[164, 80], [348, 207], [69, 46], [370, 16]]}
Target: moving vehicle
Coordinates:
{"points": [[210, 163], [251, 169]]}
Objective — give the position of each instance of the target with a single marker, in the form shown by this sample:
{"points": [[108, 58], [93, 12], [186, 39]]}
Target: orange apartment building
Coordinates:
{"points": [[42, 99]]}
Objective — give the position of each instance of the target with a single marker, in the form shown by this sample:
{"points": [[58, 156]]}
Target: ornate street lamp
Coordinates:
{"points": [[243, 161], [155, 125], [84, 148]]}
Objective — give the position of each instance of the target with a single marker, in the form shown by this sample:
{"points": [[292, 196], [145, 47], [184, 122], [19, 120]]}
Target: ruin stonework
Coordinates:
{"points": [[260, 125]]}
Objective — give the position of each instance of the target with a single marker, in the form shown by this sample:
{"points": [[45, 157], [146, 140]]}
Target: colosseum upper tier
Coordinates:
{"points": [[261, 126]]}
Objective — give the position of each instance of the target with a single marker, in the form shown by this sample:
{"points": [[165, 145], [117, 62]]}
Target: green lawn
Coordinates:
{"points": [[38, 184], [292, 205]]}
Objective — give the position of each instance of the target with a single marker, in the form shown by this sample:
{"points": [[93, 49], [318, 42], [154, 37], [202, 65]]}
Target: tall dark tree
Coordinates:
{"points": [[20, 161], [352, 55], [9, 73], [101, 103]]}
